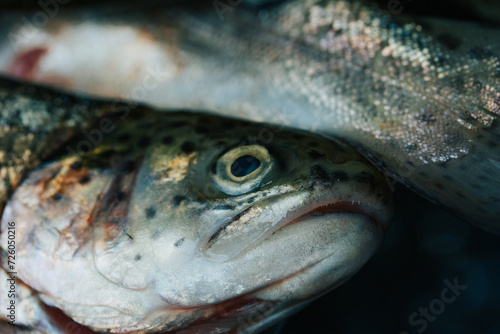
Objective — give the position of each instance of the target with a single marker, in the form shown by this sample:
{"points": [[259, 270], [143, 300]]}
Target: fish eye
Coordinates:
{"points": [[242, 169]]}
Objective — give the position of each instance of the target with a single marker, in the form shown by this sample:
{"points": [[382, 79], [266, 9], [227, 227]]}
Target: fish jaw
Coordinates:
{"points": [[265, 219], [328, 249], [252, 312]]}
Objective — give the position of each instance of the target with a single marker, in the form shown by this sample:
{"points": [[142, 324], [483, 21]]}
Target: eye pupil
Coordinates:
{"points": [[244, 165]]}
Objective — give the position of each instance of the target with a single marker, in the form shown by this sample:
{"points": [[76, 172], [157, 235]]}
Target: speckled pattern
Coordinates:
{"points": [[34, 122]]}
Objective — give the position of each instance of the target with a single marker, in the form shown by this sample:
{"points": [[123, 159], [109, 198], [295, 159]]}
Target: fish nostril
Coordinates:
{"points": [[320, 172]]}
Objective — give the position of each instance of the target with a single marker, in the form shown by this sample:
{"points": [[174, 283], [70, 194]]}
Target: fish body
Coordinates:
{"points": [[33, 123], [149, 222], [420, 99]]}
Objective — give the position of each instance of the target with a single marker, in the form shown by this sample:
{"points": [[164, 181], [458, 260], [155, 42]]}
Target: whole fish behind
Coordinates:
{"points": [[421, 99], [189, 223]]}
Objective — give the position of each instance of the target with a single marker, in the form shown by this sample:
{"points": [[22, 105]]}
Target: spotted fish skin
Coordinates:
{"points": [[420, 99], [156, 228], [34, 122]]}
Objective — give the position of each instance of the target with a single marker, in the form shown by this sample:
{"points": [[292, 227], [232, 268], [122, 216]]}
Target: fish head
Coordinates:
{"points": [[255, 212], [218, 223]]}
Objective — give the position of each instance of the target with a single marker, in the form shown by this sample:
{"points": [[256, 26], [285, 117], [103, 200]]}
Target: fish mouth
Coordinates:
{"points": [[256, 223], [314, 211]]}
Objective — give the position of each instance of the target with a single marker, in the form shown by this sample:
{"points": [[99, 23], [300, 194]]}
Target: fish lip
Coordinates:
{"points": [[329, 208], [326, 201]]}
